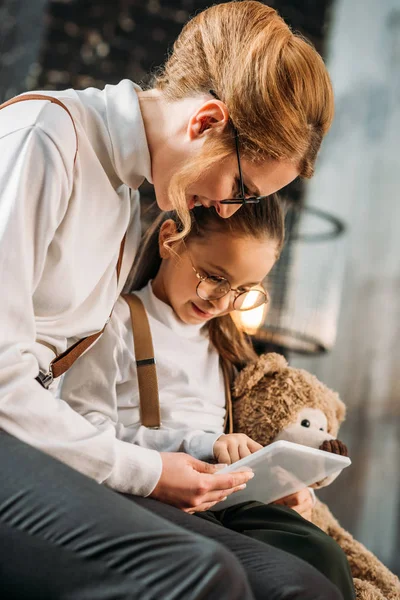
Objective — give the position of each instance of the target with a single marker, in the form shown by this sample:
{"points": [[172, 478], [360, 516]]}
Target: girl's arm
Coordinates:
{"points": [[183, 481], [197, 443], [103, 387]]}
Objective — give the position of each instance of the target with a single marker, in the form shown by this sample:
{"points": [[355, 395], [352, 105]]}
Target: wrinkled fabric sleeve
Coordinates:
{"points": [[35, 187]]}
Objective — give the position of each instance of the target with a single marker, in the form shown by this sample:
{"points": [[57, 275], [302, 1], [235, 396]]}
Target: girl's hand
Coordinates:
{"points": [[230, 448], [302, 502], [193, 485]]}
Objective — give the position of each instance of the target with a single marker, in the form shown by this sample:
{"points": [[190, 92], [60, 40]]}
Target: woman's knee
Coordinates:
{"points": [[316, 587], [222, 570]]}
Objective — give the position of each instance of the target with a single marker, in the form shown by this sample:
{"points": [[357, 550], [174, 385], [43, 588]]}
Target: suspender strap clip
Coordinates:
{"points": [[145, 361], [45, 379]]}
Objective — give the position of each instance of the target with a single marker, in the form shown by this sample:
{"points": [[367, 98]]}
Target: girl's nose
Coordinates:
{"points": [[223, 304]]}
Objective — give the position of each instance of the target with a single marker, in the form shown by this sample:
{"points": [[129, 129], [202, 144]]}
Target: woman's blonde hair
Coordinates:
{"points": [[258, 221], [272, 80]]}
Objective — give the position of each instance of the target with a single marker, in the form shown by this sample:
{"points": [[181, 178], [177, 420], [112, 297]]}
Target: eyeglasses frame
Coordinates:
{"points": [[242, 198], [231, 289]]}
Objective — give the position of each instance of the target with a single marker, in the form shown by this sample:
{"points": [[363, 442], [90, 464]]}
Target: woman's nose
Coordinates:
{"points": [[227, 210]]}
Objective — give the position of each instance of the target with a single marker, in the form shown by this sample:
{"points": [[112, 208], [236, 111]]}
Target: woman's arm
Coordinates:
{"points": [[35, 186]]}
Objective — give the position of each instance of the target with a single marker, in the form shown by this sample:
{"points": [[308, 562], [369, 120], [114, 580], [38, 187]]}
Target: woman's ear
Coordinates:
{"points": [[210, 115], [167, 231]]}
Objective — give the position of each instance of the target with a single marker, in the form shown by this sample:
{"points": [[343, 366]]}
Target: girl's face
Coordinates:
{"points": [[243, 261]]}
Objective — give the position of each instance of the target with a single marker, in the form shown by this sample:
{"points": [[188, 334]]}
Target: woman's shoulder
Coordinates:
{"points": [[49, 120]]}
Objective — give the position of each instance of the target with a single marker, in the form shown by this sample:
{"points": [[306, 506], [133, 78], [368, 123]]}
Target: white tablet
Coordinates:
{"points": [[280, 469]]}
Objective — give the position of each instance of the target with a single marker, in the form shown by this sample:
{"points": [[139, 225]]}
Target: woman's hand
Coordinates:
{"points": [[302, 502], [234, 446], [193, 485]]}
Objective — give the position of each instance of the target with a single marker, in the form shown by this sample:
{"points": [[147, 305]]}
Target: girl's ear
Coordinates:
{"points": [[167, 230]]}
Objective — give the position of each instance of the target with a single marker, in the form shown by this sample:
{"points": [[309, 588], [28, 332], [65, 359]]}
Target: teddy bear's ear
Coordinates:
{"points": [[267, 364]]}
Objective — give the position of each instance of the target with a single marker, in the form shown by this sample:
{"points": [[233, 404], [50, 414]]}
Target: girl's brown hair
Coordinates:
{"points": [[272, 80], [260, 221]]}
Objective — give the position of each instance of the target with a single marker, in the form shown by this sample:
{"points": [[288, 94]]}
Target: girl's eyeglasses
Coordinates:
{"points": [[214, 287], [241, 199]]}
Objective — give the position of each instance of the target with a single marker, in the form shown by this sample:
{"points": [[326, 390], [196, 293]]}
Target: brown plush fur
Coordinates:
{"points": [[267, 398], [294, 389]]}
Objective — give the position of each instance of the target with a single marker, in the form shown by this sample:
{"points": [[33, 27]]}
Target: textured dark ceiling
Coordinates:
{"points": [[92, 42]]}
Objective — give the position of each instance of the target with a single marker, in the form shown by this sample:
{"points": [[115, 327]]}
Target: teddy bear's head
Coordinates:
{"points": [[272, 401]]}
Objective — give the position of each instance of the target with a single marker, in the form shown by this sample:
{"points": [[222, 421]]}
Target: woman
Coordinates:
{"points": [[68, 178]]}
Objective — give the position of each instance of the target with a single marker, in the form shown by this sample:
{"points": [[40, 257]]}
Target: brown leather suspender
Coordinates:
{"points": [[145, 363], [147, 373], [64, 361]]}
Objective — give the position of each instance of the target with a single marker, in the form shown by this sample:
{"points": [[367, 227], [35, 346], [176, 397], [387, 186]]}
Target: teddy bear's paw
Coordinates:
{"points": [[335, 447]]}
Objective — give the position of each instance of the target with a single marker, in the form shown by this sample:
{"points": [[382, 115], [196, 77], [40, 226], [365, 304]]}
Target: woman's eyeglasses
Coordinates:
{"points": [[214, 287], [241, 198]]}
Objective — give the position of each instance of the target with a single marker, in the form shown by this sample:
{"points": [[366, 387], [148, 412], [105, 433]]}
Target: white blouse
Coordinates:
{"points": [[60, 229], [103, 385]]}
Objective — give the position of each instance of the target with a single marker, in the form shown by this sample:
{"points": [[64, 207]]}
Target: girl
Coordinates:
{"points": [[188, 288], [239, 109]]}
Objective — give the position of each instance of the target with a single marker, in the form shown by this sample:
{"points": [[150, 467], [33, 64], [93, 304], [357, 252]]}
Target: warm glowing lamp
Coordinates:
{"points": [[250, 320]]}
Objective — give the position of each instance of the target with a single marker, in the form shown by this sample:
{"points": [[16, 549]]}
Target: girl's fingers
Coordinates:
{"points": [[223, 456], [244, 450], [233, 449], [304, 511], [303, 496], [253, 446]]}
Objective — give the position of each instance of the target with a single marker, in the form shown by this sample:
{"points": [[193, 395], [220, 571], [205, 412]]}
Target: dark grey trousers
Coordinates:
{"points": [[64, 537]]}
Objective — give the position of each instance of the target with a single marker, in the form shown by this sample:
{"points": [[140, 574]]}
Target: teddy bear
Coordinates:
{"points": [[273, 401]]}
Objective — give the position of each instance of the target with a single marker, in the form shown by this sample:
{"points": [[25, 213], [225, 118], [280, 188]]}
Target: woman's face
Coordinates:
{"points": [[243, 261], [222, 182], [179, 141]]}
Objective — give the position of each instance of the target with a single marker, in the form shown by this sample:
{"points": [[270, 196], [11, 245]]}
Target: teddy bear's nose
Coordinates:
{"points": [[305, 423]]}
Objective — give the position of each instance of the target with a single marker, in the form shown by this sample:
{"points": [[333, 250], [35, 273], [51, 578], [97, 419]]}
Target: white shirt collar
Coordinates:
{"points": [[131, 156], [163, 313]]}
